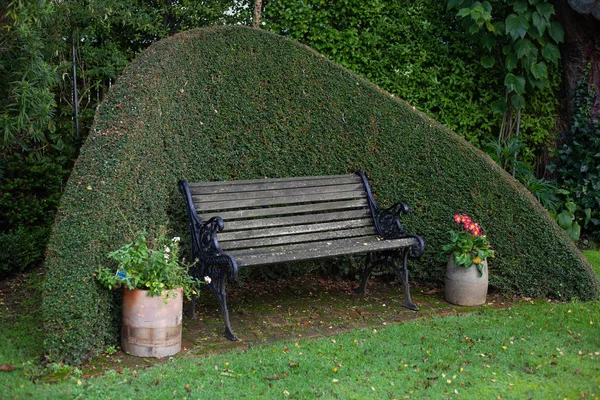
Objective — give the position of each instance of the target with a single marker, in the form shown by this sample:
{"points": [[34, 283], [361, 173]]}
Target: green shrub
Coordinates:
{"points": [[238, 103], [421, 52], [30, 190], [578, 163], [22, 247]]}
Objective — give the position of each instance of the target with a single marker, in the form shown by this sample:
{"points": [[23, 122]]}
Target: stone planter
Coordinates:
{"points": [[151, 324], [464, 286]]}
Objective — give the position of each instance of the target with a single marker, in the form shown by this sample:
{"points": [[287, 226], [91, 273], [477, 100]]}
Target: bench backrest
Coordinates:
{"points": [[265, 212]]}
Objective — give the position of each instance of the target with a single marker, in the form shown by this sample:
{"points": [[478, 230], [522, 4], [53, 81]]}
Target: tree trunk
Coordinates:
{"points": [[581, 47], [257, 11]]}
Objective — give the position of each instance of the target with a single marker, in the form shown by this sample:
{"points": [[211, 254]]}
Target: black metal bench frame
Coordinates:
{"points": [[388, 244]]}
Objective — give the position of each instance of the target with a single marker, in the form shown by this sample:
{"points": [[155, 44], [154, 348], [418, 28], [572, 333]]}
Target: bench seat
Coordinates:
{"points": [[243, 223]]}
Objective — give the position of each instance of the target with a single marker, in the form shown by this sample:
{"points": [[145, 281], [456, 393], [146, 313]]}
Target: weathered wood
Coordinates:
{"points": [[287, 210], [332, 178], [304, 246], [294, 230], [272, 193], [281, 255], [237, 204], [309, 237], [272, 221], [296, 220], [264, 184]]}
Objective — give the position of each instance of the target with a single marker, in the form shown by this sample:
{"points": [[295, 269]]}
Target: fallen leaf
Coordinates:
{"points": [[7, 367], [275, 377]]}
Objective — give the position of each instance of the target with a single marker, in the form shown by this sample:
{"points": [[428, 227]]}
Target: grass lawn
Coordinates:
{"points": [[593, 257], [534, 349]]}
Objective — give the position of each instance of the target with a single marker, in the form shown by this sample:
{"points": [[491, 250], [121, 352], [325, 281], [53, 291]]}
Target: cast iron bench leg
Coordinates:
{"points": [[366, 273], [221, 295], [402, 273]]}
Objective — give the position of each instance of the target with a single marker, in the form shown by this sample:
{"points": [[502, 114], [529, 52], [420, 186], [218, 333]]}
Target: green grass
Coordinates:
{"points": [[593, 256], [535, 349]]}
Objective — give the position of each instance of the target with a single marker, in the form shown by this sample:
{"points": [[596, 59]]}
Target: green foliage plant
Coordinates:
{"points": [[148, 265], [527, 35], [578, 161], [238, 103], [568, 218], [30, 191], [504, 153], [393, 43], [523, 37], [468, 246], [26, 102]]}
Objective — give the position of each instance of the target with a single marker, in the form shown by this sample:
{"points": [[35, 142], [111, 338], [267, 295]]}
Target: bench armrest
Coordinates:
{"points": [[205, 246], [211, 253], [387, 220]]}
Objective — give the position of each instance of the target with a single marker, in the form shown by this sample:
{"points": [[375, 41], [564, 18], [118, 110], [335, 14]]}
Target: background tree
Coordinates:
{"points": [[421, 52], [581, 20], [26, 103], [37, 102]]}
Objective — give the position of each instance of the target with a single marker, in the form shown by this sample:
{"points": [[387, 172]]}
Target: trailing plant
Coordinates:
{"points": [[148, 264]]}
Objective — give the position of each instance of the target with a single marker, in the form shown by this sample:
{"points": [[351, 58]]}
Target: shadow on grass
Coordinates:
{"points": [[304, 307]]}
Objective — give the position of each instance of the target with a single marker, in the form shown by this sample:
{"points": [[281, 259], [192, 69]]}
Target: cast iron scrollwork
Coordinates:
{"points": [[387, 220], [397, 260], [208, 245], [210, 260]]}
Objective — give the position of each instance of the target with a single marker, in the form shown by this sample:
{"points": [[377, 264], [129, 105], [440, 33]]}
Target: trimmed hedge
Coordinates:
{"points": [[237, 103]]}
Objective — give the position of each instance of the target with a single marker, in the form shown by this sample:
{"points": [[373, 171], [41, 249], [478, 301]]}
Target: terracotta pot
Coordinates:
{"points": [[464, 286], [151, 324]]}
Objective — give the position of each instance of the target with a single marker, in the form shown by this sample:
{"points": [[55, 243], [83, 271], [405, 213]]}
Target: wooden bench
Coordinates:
{"points": [[272, 221]]}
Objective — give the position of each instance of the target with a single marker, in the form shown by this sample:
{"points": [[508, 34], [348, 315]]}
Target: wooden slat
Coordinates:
{"points": [[296, 220], [289, 210], [320, 252], [309, 237], [268, 184], [237, 204], [247, 195], [284, 248], [293, 230], [276, 180]]}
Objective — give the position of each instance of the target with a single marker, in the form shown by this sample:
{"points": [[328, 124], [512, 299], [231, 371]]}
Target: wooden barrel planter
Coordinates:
{"points": [[151, 324]]}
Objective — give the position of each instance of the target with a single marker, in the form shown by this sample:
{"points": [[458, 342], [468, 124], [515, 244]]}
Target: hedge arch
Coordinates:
{"points": [[237, 103]]}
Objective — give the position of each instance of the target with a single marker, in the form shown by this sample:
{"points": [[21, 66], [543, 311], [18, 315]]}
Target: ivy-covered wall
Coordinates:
{"points": [[237, 103]]}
